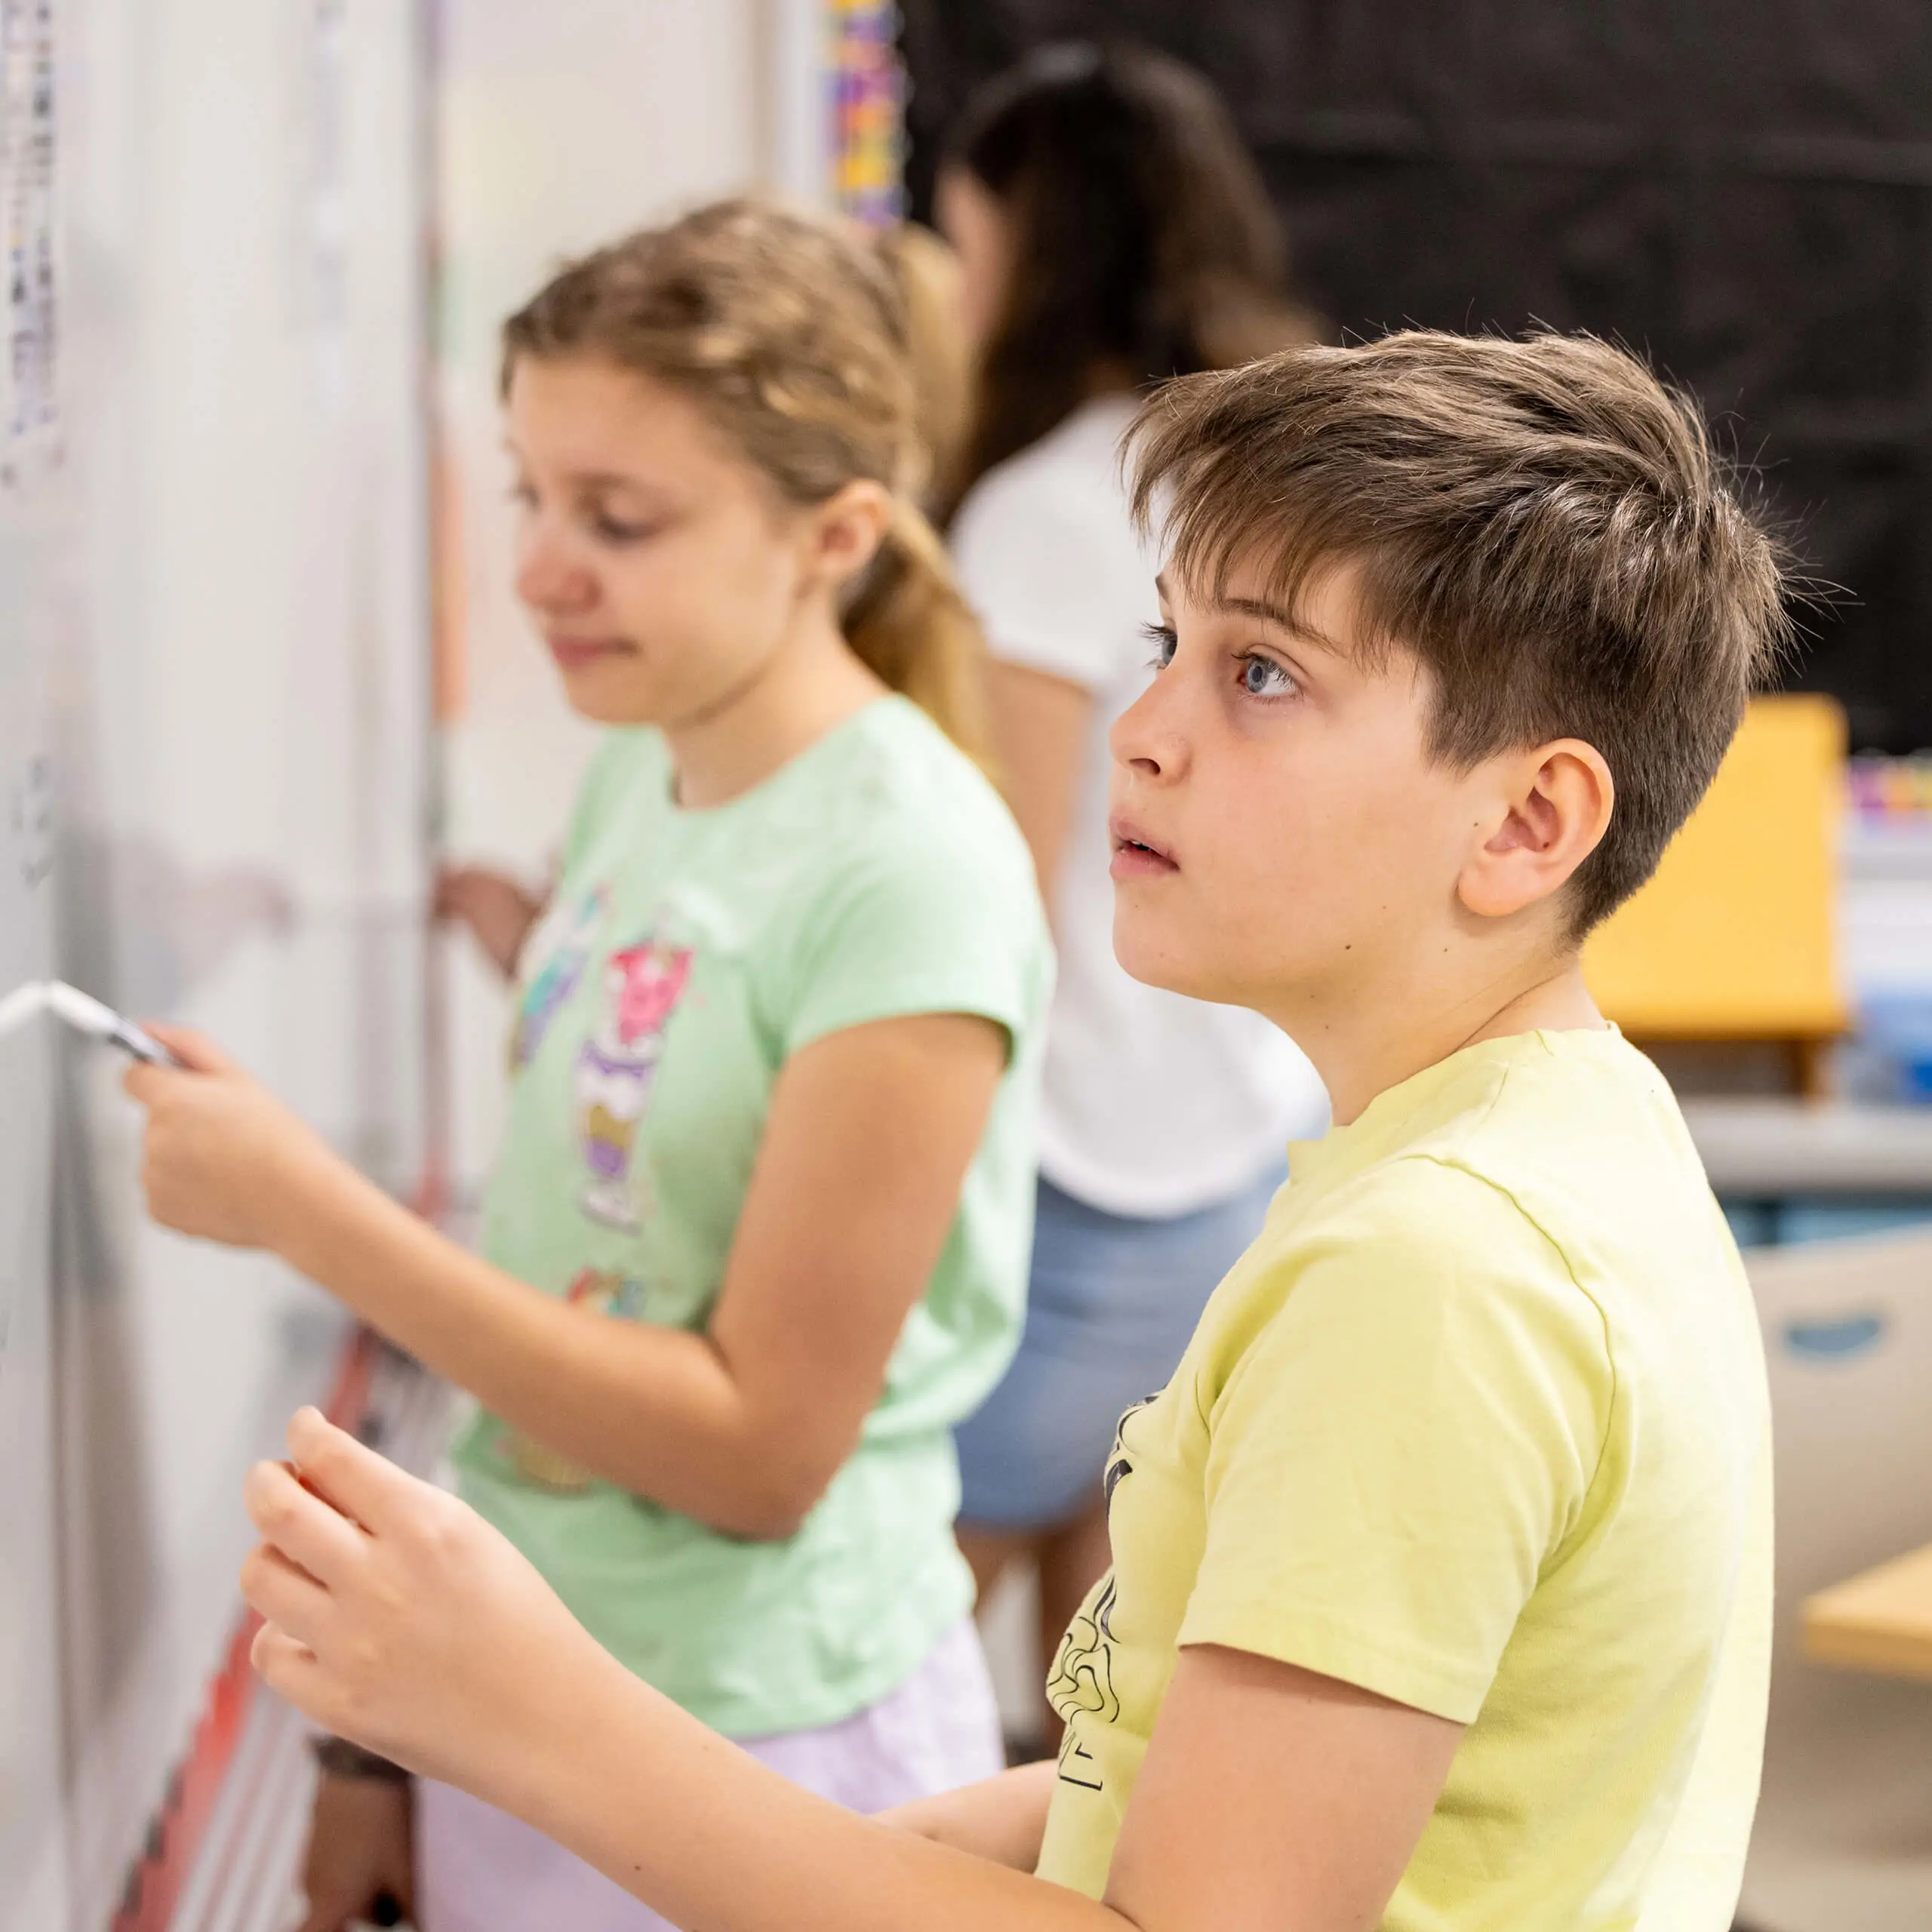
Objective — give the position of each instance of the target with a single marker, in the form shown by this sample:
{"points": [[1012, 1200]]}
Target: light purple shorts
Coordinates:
{"points": [[479, 1870]]}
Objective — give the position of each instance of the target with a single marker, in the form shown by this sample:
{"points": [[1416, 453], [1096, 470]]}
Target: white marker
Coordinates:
{"points": [[84, 1014]]}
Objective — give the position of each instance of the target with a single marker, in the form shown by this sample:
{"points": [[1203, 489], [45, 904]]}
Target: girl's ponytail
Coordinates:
{"points": [[792, 335], [909, 625]]}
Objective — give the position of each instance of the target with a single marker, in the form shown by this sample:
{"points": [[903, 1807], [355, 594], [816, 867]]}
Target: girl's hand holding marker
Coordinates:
{"points": [[224, 1160]]}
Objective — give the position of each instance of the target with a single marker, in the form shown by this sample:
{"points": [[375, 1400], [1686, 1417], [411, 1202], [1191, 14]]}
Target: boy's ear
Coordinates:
{"points": [[1554, 808], [845, 530]]}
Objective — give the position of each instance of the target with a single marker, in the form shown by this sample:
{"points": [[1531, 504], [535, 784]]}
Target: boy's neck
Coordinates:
{"points": [[1391, 1040]]}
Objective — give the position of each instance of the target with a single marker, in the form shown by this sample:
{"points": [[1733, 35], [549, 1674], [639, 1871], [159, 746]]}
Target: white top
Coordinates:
{"points": [[1154, 1104]]}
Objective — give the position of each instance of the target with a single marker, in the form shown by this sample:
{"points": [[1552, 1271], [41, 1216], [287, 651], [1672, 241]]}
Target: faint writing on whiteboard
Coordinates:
{"points": [[32, 815], [319, 225], [30, 367]]}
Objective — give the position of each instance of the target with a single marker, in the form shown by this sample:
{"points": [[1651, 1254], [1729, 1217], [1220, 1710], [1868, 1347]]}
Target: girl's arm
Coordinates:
{"points": [[857, 1179], [1271, 1799]]}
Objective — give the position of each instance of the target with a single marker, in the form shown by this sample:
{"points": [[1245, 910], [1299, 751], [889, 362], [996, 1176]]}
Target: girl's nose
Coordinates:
{"points": [[548, 578]]}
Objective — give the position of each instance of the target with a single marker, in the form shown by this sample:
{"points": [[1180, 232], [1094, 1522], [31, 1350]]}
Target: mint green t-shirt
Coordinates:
{"points": [[686, 954]]}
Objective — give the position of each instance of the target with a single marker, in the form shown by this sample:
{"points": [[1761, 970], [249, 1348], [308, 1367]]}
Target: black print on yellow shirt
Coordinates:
{"points": [[1082, 1683], [1078, 1765], [1119, 1463]]}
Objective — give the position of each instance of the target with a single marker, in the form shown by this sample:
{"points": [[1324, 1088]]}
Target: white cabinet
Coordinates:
{"points": [[1844, 1838]]}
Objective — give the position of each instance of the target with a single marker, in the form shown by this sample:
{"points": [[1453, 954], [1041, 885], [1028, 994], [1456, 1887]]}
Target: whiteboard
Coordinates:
{"points": [[32, 1872], [214, 799]]}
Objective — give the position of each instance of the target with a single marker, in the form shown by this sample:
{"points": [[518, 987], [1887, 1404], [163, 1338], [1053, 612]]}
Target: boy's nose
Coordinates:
{"points": [[1148, 737]]}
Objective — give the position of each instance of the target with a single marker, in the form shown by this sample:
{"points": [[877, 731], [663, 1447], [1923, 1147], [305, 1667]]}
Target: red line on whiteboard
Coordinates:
{"points": [[174, 1836]]}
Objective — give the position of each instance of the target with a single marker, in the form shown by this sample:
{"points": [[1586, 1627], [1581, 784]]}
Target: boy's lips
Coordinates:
{"points": [[574, 654], [1136, 854]]}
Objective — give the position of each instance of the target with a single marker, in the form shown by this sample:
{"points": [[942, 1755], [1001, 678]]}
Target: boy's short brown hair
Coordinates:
{"points": [[1541, 522]]}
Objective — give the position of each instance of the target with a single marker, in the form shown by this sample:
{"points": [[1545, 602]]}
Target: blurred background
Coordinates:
{"points": [[1741, 191], [261, 669]]}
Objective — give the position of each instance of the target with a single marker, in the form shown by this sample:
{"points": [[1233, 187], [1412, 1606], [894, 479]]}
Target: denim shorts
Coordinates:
{"points": [[1111, 1305]]}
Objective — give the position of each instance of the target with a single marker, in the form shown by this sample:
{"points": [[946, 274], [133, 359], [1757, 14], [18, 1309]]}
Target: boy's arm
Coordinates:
{"points": [[1002, 1819], [1271, 1800]]}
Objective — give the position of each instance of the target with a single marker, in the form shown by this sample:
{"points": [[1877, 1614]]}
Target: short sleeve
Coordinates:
{"points": [[916, 926], [1404, 1444], [1045, 572]]}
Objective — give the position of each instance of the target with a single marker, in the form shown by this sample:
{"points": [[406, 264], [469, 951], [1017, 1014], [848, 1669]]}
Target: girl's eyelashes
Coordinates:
{"points": [[598, 522], [1161, 637], [610, 530]]}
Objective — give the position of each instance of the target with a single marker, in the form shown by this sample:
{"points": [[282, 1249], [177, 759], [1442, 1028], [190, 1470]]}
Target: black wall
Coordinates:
{"points": [[1741, 188]]}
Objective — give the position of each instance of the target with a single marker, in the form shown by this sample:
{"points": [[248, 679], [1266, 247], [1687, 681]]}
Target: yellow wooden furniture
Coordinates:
{"points": [[1879, 1621], [1735, 938]]}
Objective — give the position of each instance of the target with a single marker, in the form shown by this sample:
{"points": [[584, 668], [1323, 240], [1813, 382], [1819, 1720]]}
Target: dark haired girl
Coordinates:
{"points": [[1113, 232]]}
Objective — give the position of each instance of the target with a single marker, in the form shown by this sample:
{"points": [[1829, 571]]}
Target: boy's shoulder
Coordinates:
{"points": [[1529, 1217], [1431, 1234], [1584, 1135], [1567, 1126], [1545, 1181]]}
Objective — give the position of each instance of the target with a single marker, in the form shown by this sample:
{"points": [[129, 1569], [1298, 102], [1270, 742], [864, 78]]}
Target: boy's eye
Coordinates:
{"points": [[1161, 637], [1262, 677]]}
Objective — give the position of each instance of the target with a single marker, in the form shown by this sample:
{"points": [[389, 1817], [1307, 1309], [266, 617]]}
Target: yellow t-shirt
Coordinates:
{"points": [[1480, 1424]]}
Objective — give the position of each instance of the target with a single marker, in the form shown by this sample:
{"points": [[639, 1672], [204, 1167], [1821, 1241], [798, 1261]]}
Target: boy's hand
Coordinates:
{"points": [[398, 1617], [224, 1159]]}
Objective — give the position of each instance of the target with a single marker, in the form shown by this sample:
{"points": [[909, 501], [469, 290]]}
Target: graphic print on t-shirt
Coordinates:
{"points": [[566, 943], [607, 1294], [617, 1066], [1082, 1682], [1082, 1678]]}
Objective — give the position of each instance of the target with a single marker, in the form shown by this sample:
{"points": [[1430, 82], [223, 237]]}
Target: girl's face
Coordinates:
{"points": [[971, 218], [661, 567]]}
